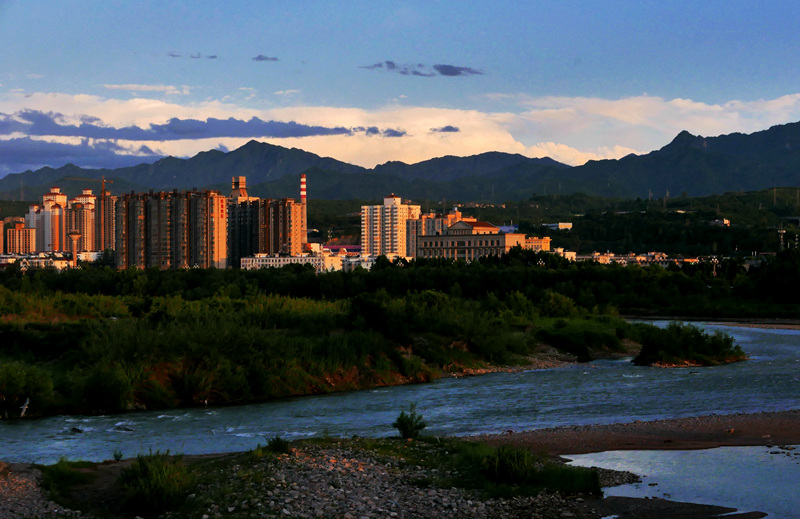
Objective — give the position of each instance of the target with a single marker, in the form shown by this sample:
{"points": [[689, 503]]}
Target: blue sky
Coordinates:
{"points": [[116, 83]]}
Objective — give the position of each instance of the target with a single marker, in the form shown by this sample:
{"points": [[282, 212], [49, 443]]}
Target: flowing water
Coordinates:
{"points": [[598, 392]]}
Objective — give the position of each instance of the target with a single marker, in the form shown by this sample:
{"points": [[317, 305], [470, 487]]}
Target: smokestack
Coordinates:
{"points": [[303, 188]]}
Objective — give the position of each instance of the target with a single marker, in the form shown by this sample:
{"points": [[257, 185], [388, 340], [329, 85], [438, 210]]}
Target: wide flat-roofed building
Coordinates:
{"points": [[468, 240]]}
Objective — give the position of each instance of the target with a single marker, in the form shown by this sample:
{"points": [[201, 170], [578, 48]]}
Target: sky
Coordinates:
{"points": [[116, 83]]}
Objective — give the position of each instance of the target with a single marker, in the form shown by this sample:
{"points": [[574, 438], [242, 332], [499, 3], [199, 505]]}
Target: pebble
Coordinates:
{"points": [[21, 496], [345, 482]]}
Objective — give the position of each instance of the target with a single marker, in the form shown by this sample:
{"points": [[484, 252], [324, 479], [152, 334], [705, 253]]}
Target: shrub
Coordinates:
{"points": [[278, 445], [108, 388], [410, 424], [155, 483], [19, 382]]}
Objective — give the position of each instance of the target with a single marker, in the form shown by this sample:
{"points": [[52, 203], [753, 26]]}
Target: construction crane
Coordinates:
{"points": [[102, 233]]}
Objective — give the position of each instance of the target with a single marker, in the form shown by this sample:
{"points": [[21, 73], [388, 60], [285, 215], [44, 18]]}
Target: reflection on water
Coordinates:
{"points": [[764, 479]]}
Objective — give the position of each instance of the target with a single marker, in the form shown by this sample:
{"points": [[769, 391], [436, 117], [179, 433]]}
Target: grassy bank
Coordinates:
{"points": [[81, 353]]}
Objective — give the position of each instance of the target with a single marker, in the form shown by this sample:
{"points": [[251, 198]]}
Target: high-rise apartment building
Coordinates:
{"points": [[20, 239], [265, 226], [81, 221], [171, 230], [105, 222], [49, 220], [384, 228]]}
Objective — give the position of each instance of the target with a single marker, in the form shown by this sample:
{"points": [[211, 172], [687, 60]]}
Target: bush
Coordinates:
{"points": [[155, 483], [278, 445], [410, 425], [19, 382], [108, 389]]}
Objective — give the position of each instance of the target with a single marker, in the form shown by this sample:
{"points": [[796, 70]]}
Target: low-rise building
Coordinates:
{"points": [[321, 262], [468, 240]]}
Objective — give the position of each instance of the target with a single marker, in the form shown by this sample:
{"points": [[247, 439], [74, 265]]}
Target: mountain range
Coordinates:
{"points": [[690, 164]]}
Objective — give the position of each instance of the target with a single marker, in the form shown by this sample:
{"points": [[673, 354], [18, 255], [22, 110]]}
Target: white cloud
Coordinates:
{"points": [[286, 92], [570, 130], [568, 155], [644, 122]]}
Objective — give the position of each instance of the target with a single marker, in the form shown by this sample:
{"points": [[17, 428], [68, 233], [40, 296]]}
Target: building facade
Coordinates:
{"points": [[170, 230], [265, 226], [384, 228], [320, 262], [467, 241], [49, 220], [431, 224]]}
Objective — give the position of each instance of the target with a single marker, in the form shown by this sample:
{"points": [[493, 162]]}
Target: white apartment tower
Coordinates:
{"points": [[384, 228]]}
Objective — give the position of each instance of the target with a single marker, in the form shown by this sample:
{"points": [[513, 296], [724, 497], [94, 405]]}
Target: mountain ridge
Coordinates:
{"points": [[690, 164]]}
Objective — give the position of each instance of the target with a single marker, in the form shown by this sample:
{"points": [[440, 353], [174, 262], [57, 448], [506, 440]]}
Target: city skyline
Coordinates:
{"points": [[113, 85]]}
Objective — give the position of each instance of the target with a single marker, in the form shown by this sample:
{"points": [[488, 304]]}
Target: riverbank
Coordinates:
{"points": [[702, 432], [362, 478], [746, 322]]}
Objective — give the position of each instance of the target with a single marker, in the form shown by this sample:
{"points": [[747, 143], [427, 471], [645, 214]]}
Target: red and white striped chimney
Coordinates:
{"points": [[303, 188]]}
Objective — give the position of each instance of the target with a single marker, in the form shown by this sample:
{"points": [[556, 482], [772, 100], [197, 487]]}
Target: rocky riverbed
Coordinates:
{"points": [[21, 495], [335, 479], [362, 478]]}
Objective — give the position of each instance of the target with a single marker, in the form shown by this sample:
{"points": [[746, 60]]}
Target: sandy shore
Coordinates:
{"points": [[704, 432], [751, 322]]}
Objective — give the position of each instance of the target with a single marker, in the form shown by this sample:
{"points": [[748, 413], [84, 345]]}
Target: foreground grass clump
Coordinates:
{"points": [[155, 483], [507, 471], [496, 472], [59, 477], [684, 344]]}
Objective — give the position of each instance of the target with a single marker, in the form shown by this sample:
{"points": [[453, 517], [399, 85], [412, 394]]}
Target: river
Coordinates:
{"points": [[598, 392]]}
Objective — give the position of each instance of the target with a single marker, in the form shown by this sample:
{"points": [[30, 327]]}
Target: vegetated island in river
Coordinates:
{"points": [[686, 345]]}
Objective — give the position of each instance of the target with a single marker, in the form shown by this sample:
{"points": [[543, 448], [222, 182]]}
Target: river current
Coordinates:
{"points": [[598, 392]]}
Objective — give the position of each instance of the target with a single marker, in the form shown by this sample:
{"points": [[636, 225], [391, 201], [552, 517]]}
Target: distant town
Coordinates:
{"points": [[205, 229]]}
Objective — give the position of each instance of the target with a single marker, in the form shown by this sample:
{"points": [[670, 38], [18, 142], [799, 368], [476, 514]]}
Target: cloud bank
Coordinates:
{"points": [[22, 154], [53, 129]]}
